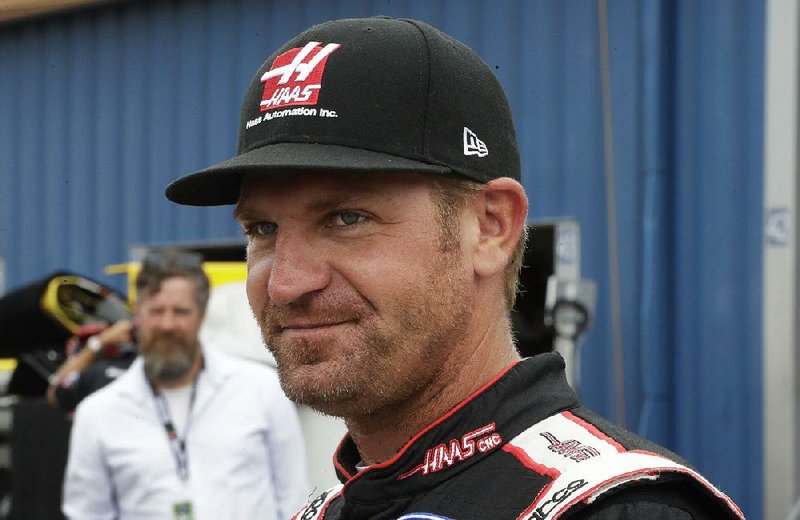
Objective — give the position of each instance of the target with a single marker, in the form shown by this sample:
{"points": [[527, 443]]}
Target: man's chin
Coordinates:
{"points": [[167, 368], [167, 373], [330, 395]]}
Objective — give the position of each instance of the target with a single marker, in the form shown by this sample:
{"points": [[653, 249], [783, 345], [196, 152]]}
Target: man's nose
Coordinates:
{"points": [[168, 321], [298, 268]]}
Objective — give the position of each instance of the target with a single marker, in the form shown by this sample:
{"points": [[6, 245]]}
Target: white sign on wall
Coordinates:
{"points": [[778, 226]]}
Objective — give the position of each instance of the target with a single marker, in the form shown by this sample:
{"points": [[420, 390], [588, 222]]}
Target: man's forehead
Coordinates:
{"points": [[172, 285], [321, 188]]}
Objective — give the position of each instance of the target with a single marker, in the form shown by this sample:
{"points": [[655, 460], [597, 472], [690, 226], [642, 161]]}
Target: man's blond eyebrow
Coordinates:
{"points": [[336, 200], [324, 202], [241, 213]]}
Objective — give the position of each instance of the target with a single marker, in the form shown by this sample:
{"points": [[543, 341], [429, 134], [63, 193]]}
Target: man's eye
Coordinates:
{"points": [[263, 228], [347, 218]]}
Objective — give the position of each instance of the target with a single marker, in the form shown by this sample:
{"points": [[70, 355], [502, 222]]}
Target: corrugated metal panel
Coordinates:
{"points": [[100, 109], [718, 240]]}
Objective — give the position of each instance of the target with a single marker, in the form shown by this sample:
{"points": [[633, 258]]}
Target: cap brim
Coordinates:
{"points": [[219, 184]]}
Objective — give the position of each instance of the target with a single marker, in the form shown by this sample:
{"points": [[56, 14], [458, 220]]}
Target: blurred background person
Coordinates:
{"points": [[187, 431], [97, 355]]}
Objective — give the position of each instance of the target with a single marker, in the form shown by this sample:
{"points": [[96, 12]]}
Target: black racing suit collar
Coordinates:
{"points": [[525, 393]]}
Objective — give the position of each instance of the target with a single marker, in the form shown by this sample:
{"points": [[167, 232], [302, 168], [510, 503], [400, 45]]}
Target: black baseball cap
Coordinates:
{"points": [[366, 95]]}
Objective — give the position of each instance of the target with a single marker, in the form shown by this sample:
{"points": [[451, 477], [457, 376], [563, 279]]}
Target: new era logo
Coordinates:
{"points": [[296, 76], [473, 145]]}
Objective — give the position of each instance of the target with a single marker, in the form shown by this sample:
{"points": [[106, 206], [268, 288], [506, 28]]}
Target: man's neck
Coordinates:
{"points": [[381, 435]]}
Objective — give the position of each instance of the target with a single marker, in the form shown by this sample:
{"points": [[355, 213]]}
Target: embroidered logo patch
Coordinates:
{"points": [[445, 455], [572, 448], [315, 509], [473, 145], [296, 76]]}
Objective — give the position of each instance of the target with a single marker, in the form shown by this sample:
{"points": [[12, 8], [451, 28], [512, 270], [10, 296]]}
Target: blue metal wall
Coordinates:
{"points": [[100, 109]]}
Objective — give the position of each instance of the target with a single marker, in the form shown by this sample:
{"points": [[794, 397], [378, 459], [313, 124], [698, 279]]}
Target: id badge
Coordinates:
{"points": [[182, 511]]}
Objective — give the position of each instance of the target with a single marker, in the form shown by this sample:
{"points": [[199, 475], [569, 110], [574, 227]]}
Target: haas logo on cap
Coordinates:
{"points": [[296, 76]]}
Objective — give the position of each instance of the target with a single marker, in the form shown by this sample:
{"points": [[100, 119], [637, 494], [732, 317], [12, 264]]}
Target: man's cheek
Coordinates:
{"points": [[256, 288]]}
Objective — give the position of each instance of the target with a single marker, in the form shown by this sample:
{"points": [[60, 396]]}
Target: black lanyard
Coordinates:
{"points": [[176, 443]]}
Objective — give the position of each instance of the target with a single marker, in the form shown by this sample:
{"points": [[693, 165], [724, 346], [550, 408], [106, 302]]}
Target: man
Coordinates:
{"points": [[105, 353], [186, 432], [378, 184]]}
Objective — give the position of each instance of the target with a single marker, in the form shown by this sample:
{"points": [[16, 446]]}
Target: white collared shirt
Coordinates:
{"points": [[245, 450]]}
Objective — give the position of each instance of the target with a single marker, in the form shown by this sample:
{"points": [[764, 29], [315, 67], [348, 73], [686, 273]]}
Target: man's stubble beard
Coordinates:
{"points": [[380, 366]]}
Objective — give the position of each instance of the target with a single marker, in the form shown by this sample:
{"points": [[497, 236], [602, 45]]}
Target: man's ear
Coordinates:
{"points": [[501, 211]]}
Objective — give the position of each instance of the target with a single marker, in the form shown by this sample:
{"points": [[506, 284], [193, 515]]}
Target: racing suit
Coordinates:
{"points": [[521, 447]]}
